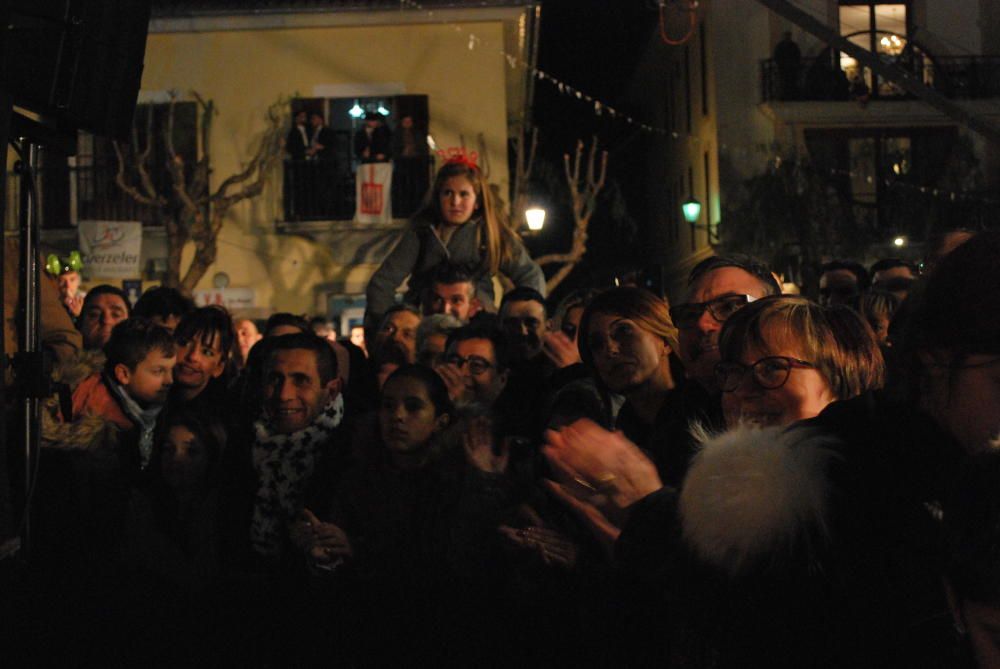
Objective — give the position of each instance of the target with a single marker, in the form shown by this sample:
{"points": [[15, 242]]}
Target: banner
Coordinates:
{"points": [[111, 249], [234, 299], [374, 193]]}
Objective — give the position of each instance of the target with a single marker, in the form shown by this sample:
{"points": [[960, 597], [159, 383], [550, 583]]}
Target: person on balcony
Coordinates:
{"points": [[788, 60], [373, 140]]}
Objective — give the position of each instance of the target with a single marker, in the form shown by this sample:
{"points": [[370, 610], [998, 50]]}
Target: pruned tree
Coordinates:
{"points": [[524, 152], [583, 196], [190, 210]]}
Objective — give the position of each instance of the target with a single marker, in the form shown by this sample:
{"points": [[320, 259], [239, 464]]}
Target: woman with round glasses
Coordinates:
{"points": [[785, 358]]}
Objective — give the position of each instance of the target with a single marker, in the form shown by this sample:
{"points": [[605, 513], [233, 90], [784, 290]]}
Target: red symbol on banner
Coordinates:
{"points": [[371, 195]]}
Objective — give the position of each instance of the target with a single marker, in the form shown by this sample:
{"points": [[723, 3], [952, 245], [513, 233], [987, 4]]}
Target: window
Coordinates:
{"points": [[882, 28], [703, 48], [401, 137], [687, 86], [84, 187], [877, 171]]}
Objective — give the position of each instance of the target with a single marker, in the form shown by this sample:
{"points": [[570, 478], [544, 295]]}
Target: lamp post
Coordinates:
{"points": [[535, 218], [692, 212]]}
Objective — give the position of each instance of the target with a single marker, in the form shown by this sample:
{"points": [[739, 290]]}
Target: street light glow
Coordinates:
{"points": [[691, 209], [535, 218], [899, 241]]}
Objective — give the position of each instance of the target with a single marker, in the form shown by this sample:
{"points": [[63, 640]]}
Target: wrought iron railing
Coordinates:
{"points": [[315, 190], [957, 77], [311, 192]]}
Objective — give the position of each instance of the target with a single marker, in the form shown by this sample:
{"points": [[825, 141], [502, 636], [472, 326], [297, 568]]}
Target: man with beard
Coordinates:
{"points": [[395, 341], [542, 361], [104, 307], [451, 289]]}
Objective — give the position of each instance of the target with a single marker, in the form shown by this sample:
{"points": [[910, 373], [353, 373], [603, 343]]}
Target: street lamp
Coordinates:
{"points": [[692, 210], [692, 213], [535, 218]]}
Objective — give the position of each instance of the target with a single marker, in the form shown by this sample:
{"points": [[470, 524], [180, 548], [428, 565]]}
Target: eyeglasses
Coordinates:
{"points": [[476, 364], [769, 373], [686, 316]]}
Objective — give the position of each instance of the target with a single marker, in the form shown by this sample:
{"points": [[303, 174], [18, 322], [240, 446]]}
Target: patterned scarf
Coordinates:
{"points": [[144, 418], [284, 464]]}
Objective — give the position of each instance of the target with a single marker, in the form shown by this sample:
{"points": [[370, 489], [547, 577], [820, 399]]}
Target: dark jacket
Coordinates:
{"points": [[420, 248], [806, 546]]}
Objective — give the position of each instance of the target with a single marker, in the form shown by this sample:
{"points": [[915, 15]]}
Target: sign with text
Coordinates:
{"points": [[111, 249], [233, 299], [374, 193]]}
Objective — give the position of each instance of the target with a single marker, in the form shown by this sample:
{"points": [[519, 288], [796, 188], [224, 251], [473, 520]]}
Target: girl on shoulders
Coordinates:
{"points": [[462, 224]]}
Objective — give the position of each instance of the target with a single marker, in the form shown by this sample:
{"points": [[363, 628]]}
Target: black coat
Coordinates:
{"points": [[829, 557]]}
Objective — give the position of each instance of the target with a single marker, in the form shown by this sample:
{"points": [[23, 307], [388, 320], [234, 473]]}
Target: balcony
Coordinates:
{"points": [[317, 191], [312, 192], [822, 79]]}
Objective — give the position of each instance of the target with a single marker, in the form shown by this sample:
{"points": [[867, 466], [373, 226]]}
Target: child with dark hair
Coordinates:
{"points": [[172, 528], [878, 307], [204, 341], [132, 388]]}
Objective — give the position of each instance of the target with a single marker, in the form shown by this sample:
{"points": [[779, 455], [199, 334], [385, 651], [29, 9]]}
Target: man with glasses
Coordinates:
{"points": [[718, 287], [476, 366]]}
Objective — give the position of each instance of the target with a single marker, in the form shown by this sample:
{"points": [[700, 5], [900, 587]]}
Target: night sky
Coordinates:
{"points": [[593, 45]]}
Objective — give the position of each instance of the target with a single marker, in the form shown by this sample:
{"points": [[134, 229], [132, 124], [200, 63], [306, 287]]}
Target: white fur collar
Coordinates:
{"points": [[751, 493]]}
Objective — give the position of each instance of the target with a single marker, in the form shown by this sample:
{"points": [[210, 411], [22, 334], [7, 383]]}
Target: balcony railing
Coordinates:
{"points": [[68, 193], [312, 192], [957, 77], [317, 191]]}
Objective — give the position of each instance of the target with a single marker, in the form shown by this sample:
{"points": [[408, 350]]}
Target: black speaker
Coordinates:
{"points": [[77, 61]]}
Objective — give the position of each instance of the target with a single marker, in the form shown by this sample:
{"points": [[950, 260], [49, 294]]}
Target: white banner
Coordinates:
{"points": [[374, 193], [234, 299], [111, 249]]}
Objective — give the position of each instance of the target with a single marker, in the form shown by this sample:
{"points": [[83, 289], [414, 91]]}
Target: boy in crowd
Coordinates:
{"points": [[133, 387]]}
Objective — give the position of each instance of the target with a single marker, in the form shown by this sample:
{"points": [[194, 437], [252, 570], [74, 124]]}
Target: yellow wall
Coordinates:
{"points": [[245, 71]]}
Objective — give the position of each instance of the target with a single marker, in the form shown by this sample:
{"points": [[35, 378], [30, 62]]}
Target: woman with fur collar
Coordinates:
{"points": [[814, 544]]}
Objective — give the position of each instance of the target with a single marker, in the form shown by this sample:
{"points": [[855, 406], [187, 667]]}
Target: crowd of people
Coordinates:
{"points": [[742, 478]]}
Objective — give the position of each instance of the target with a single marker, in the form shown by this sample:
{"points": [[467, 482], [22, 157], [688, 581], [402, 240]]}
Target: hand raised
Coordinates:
{"points": [[560, 349], [453, 380], [480, 450], [595, 463]]}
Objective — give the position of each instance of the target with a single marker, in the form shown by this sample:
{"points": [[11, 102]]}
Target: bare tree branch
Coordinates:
{"points": [[583, 200], [142, 159], [127, 188]]}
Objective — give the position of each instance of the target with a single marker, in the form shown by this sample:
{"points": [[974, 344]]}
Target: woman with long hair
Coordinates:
{"points": [[461, 223]]}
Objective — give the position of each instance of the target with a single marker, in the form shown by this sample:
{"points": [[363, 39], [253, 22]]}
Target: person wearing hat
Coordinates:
{"points": [[67, 273], [373, 140]]}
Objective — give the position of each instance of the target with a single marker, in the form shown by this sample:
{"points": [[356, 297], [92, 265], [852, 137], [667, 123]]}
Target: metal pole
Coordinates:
{"points": [[29, 318]]}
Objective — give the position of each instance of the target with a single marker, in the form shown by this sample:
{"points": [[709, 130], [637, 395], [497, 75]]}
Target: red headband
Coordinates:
{"points": [[457, 155]]}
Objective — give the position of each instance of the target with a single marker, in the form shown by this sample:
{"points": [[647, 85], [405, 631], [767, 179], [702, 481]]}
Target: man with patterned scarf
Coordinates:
{"points": [[295, 442]]}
